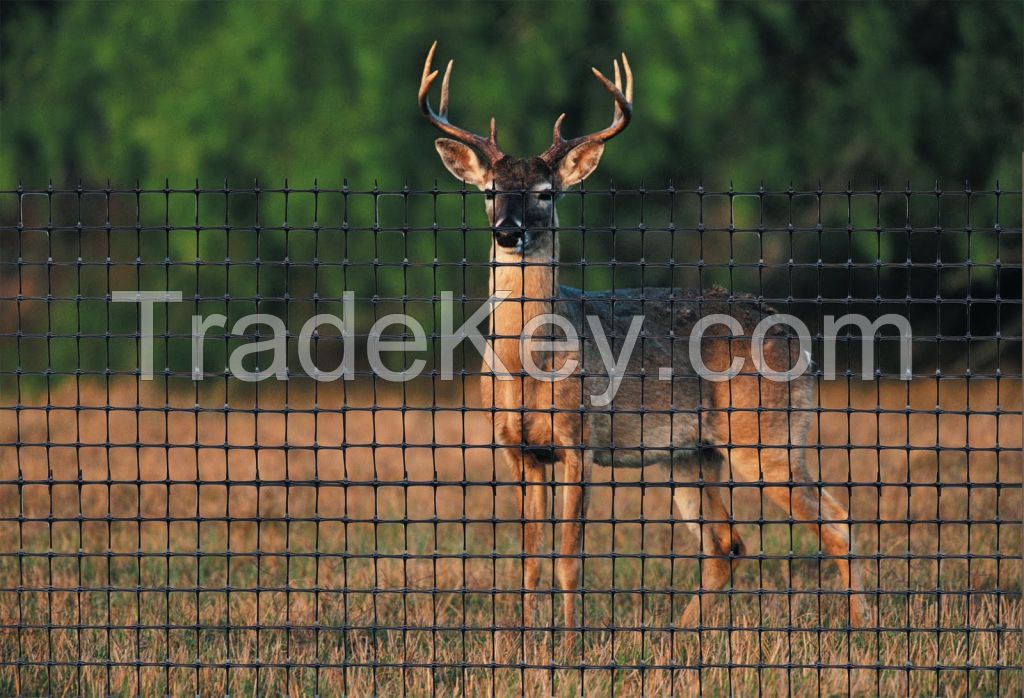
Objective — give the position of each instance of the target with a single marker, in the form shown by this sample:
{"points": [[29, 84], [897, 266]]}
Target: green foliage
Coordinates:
{"points": [[223, 94], [741, 91]]}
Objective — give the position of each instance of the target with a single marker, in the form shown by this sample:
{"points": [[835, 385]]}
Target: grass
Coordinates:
{"points": [[125, 585]]}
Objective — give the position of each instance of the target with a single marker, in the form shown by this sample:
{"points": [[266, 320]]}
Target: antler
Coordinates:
{"points": [[488, 146], [623, 112]]}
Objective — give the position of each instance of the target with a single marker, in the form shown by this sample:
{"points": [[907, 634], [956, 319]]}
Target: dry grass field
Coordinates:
{"points": [[161, 552]]}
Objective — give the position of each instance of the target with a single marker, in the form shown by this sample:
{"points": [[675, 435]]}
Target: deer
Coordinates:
{"points": [[703, 434]]}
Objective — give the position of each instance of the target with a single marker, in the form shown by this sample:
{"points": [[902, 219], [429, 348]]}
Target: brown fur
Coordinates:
{"points": [[753, 445], [692, 428]]}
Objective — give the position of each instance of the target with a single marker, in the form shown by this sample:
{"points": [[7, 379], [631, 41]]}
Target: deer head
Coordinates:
{"points": [[521, 191]]}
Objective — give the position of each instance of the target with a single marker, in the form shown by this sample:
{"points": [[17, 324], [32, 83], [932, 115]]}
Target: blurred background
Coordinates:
{"points": [[742, 92], [187, 94]]}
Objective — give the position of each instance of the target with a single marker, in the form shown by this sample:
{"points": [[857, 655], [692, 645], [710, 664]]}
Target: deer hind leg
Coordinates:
{"points": [[801, 502], [703, 512], [574, 508]]}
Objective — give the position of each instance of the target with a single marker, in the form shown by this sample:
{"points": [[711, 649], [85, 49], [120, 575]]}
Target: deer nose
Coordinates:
{"points": [[508, 232]]}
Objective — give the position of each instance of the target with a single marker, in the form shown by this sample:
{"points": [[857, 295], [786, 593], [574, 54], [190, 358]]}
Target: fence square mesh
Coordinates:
{"points": [[191, 532]]}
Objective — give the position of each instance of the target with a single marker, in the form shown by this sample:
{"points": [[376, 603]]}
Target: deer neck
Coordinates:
{"points": [[530, 280]]}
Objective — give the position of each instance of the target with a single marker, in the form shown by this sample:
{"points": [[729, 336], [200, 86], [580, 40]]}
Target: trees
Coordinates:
{"points": [[733, 91]]}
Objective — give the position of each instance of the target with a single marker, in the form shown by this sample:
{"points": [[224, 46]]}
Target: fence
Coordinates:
{"points": [[195, 530]]}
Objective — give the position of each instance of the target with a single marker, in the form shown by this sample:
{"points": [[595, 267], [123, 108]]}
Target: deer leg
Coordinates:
{"points": [[534, 499], [574, 506], [720, 544], [802, 503]]}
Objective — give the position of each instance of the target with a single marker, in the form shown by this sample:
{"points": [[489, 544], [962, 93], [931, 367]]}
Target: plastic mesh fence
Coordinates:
{"points": [[194, 532]]}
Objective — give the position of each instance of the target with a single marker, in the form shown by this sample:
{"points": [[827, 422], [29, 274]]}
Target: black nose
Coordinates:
{"points": [[507, 233], [508, 238]]}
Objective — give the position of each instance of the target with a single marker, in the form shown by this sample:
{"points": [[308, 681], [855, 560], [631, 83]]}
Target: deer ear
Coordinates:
{"points": [[579, 162], [463, 162]]}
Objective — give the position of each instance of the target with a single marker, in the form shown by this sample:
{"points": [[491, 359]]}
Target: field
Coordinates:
{"points": [[161, 552]]}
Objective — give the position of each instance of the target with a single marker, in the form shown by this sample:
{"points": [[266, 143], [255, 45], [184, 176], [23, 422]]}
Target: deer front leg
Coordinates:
{"points": [[574, 507], [533, 499]]}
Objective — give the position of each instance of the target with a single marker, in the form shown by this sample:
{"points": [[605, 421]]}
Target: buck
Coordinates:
{"points": [[700, 432]]}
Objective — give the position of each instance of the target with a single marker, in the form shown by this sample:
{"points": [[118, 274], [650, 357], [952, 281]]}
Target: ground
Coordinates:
{"points": [[111, 591]]}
